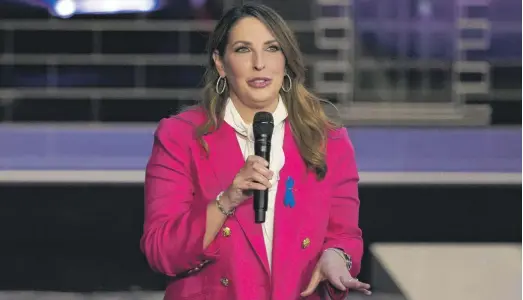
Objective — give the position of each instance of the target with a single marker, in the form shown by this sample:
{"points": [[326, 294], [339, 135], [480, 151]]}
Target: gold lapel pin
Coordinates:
{"points": [[306, 243], [226, 232]]}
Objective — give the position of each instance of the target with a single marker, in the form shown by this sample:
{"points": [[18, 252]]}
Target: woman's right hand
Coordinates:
{"points": [[254, 175]]}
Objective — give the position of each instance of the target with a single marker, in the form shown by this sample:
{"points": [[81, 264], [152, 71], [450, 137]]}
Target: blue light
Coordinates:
{"points": [[68, 8]]}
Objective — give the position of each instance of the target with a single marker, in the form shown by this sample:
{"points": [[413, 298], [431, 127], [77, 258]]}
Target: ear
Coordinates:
{"points": [[218, 62]]}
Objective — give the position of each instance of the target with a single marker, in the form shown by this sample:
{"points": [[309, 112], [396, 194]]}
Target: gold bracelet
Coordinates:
{"points": [[221, 208]]}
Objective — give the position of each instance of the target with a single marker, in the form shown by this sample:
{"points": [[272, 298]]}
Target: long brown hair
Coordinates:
{"points": [[310, 125]]}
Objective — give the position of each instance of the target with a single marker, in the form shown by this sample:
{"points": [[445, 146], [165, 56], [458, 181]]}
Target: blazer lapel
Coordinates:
{"points": [[287, 221], [226, 160]]}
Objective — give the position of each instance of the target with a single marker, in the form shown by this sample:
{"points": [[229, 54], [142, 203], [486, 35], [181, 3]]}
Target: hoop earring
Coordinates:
{"points": [[219, 90], [286, 90]]}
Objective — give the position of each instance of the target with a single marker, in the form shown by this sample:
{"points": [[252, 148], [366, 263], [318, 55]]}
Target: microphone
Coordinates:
{"points": [[262, 126]]}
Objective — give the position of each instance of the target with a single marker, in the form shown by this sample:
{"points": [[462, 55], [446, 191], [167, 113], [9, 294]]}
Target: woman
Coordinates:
{"points": [[199, 220]]}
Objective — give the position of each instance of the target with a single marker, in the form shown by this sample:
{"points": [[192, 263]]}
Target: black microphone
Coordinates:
{"points": [[262, 126]]}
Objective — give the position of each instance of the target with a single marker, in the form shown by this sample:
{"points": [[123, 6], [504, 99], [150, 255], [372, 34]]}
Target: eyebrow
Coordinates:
{"points": [[249, 43]]}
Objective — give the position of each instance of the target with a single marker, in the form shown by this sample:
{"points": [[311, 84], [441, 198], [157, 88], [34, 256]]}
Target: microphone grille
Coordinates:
{"points": [[263, 117], [263, 122]]}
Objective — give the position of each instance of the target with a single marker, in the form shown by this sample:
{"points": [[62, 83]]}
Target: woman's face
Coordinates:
{"points": [[253, 64]]}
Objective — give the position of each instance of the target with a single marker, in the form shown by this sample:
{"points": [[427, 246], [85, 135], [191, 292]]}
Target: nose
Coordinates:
{"points": [[258, 62]]}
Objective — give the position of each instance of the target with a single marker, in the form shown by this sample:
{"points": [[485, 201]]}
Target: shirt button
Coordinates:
{"points": [[225, 281], [226, 231]]}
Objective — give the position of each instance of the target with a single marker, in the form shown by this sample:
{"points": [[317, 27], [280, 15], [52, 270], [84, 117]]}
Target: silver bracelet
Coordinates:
{"points": [[345, 256], [221, 208]]}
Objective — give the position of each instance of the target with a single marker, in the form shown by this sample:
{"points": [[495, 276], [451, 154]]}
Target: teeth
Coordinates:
{"points": [[259, 81]]}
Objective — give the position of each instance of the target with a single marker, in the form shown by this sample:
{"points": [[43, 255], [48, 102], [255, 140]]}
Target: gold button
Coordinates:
{"points": [[226, 231], [224, 281], [306, 243]]}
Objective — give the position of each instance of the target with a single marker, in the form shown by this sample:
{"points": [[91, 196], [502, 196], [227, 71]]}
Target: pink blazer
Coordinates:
{"points": [[181, 180]]}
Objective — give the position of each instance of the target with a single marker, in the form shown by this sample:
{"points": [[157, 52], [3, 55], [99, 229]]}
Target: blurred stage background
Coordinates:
{"points": [[430, 91]]}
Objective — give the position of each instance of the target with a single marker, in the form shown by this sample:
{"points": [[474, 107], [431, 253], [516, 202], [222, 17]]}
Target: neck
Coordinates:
{"points": [[247, 113]]}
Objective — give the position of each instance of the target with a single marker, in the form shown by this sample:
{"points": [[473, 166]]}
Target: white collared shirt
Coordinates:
{"points": [[245, 137]]}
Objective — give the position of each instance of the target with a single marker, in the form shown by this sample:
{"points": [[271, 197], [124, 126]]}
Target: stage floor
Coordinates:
{"points": [[399, 155]]}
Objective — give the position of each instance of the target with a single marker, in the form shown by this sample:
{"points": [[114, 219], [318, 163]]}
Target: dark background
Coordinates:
{"points": [[86, 237]]}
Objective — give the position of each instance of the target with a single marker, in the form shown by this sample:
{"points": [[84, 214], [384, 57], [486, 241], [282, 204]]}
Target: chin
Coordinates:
{"points": [[263, 102], [263, 99]]}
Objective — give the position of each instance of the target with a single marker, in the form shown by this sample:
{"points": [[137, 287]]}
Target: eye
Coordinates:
{"points": [[241, 49], [273, 48]]}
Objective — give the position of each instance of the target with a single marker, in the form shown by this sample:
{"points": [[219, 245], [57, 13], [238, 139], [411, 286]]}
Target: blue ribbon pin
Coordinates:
{"points": [[288, 200]]}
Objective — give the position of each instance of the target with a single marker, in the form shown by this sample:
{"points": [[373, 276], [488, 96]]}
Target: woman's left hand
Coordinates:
{"points": [[331, 267]]}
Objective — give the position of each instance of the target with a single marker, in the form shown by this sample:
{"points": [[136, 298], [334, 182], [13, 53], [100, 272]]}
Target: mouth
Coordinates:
{"points": [[259, 82]]}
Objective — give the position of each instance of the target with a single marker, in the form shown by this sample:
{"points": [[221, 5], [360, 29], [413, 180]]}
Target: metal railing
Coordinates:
{"points": [[368, 87]]}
